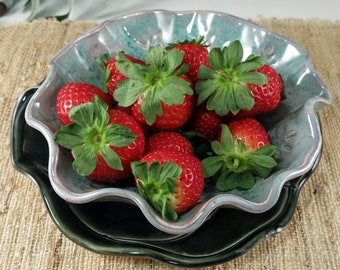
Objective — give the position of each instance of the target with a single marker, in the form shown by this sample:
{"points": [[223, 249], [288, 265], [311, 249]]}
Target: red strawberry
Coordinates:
{"points": [[195, 55], [160, 95], [168, 140], [266, 96], [250, 132], [115, 75], [126, 110], [173, 116], [227, 85], [76, 93], [103, 141], [171, 181], [243, 151], [206, 123]]}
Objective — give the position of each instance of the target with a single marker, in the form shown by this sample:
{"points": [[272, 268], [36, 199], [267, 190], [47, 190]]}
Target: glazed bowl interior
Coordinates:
{"points": [[293, 127]]}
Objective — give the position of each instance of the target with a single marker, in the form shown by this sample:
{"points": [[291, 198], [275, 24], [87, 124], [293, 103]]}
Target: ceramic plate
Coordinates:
{"points": [[105, 227]]}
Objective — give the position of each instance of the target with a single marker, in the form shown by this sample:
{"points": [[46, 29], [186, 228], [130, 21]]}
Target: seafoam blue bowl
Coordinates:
{"points": [[294, 127]]}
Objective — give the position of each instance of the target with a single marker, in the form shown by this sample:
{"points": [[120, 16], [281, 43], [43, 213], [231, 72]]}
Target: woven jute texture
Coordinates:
{"points": [[29, 238]]}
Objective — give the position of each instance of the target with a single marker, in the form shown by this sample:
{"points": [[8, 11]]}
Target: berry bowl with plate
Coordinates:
{"points": [[293, 127]]}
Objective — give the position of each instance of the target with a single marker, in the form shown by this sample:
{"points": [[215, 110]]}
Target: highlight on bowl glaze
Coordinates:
{"points": [[293, 127]]}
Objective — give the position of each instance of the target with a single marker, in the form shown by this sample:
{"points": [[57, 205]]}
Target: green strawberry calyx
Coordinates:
{"points": [[224, 84], [102, 61], [158, 81], [234, 165], [199, 41], [156, 183], [90, 135]]}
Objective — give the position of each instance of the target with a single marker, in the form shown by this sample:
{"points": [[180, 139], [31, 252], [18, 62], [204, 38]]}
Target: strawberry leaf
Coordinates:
{"points": [[184, 68], [172, 60], [215, 58], [205, 88], [211, 165], [234, 97], [111, 158], [227, 181], [131, 70], [168, 173], [82, 114], [70, 136], [91, 135], [246, 181], [263, 160], [106, 72], [118, 135], [151, 107], [199, 41], [233, 164], [100, 115], [218, 148], [227, 141], [261, 171], [154, 57], [158, 81], [128, 91], [206, 72], [156, 183], [224, 85], [233, 54], [268, 150], [251, 63], [85, 159], [253, 78], [168, 97]]}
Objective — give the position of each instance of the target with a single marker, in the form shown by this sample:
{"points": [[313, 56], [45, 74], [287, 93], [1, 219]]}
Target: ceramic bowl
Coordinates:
{"points": [[293, 128]]}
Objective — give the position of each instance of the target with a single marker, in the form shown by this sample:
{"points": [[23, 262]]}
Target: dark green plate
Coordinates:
{"points": [[120, 229]]}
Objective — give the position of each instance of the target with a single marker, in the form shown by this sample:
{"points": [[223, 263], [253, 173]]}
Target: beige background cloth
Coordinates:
{"points": [[30, 239]]}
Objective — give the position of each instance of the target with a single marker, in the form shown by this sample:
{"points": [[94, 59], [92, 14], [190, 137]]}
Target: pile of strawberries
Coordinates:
{"points": [[179, 116]]}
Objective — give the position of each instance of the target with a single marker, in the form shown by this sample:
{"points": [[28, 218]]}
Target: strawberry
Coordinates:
{"points": [[171, 181], [168, 140], [226, 85], [242, 152], [115, 75], [250, 132], [266, 96], [103, 141], [160, 95], [205, 122], [173, 116], [195, 55], [76, 93]]}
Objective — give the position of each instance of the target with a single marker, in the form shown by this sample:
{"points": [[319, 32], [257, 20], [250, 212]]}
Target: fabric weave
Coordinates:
{"points": [[29, 238]]}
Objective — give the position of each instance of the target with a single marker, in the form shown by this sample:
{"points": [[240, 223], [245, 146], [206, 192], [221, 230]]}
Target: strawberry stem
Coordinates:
{"points": [[236, 163]]}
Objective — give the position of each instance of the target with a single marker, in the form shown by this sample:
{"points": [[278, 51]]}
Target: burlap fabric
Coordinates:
{"points": [[29, 238]]}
